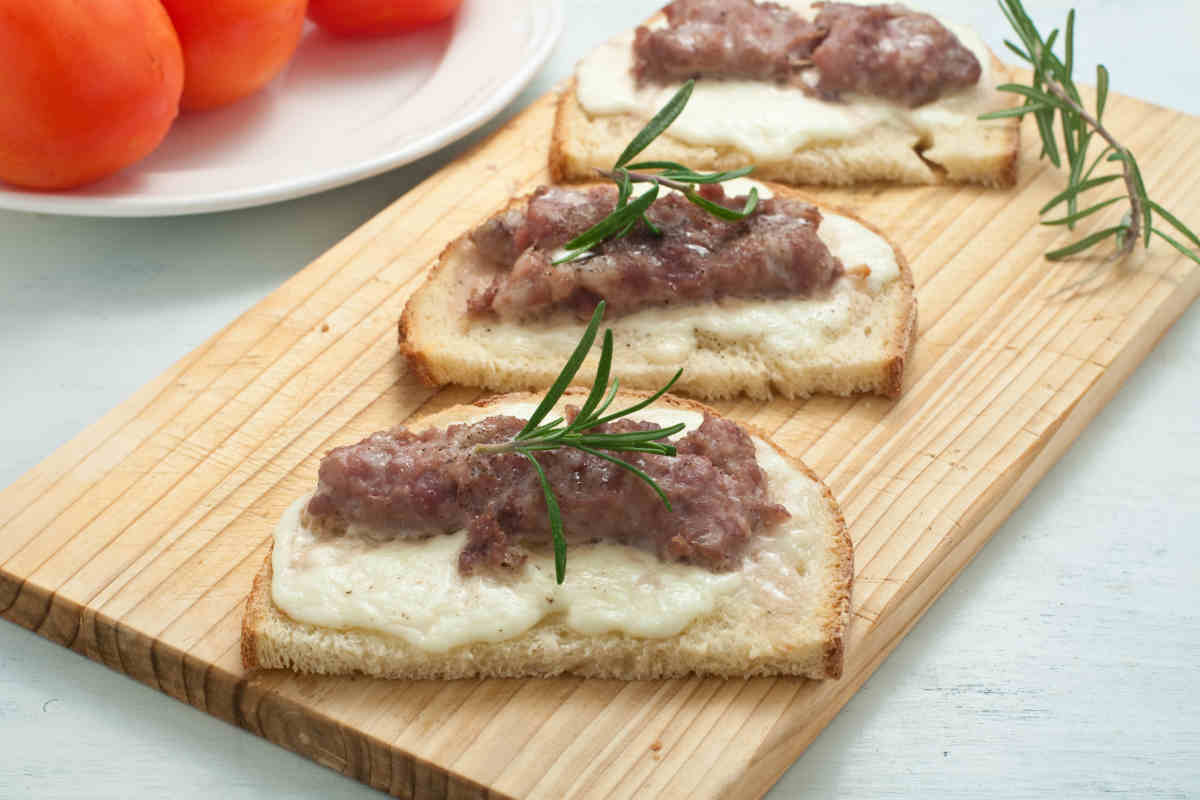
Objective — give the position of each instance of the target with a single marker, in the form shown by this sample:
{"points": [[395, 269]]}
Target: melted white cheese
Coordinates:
{"points": [[855, 245], [768, 121], [413, 590]]}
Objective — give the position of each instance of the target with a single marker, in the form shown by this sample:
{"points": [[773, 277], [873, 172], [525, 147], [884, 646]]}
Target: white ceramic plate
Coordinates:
{"points": [[343, 110]]}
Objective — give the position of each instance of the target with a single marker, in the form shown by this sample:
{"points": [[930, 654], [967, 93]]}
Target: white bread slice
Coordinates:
{"points": [[750, 632], [721, 353], [969, 151]]}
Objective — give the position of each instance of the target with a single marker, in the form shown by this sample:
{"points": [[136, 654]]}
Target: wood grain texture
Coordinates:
{"points": [[136, 543]]}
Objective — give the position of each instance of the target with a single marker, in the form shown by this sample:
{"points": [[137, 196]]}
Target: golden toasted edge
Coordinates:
{"points": [[835, 627], [891, 381], [260, 595], [558, 134], [417, 361]]}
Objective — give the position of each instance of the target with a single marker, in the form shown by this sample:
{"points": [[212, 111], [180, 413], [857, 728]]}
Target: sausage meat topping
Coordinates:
{"points": [[403, 484], [697, 257], [883, 50]]}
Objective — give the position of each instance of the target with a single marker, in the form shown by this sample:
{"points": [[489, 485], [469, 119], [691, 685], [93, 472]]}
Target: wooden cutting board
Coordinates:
{"points": [[136, 543]]}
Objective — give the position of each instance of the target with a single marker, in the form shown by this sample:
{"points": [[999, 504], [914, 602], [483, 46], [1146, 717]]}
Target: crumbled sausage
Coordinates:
{"points": [[883, 50], [760, 41], [891, 52], [404, 484], [696, 257]]}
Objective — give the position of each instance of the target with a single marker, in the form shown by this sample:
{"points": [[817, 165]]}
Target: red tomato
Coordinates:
{"points": [[84, 90], [232, 48], [373, 17]]}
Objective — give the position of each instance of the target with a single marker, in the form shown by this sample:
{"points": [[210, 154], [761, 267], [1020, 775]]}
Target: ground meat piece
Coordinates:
{"points": [[400, 480], [882, 50], [698, 257], [404, 484], [495, 238], [889, 51], [726, 38]]}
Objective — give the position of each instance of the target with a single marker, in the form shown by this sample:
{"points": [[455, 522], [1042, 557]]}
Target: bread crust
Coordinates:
{"points": [[431, 337], [266, 630], [258, 607]]}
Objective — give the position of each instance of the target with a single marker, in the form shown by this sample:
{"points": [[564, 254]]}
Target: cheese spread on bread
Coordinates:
{"points": [[769, 121], [412, 588]]}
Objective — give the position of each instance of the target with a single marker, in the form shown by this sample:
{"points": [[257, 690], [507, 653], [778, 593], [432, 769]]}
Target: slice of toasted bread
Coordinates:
{"points": [[788, 615], [854, 340], [940, 148]]}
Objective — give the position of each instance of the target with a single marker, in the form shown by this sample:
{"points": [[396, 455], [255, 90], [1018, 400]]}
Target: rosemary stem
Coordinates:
{"points": [[495, 449], [1135, 199], [644, 177]]}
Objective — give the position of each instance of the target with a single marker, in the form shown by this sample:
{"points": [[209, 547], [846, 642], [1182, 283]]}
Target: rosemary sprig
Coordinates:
{"points": [[1053, 90], [537, 436], [671, 174]]}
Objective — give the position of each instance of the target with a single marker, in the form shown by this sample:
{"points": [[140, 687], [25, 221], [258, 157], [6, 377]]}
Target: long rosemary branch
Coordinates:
{"points": [[1053, 91]]}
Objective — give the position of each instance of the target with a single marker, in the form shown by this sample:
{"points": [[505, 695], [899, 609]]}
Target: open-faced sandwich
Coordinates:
{"points": [[793, 299], [810, 92], [490, 540]]}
